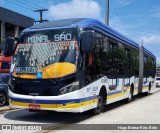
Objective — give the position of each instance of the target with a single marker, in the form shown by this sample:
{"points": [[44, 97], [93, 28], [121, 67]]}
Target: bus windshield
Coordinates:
{"points": [[41, 50]]}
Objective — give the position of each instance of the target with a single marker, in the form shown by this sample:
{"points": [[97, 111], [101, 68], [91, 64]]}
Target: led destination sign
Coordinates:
{"points": [[25, 70], [44, 38]]}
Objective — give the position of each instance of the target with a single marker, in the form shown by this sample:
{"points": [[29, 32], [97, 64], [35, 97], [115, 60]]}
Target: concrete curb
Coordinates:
{"points": [[5, 108]]}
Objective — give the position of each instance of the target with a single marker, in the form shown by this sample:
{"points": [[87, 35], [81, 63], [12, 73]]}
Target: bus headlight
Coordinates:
{"points": [[10, 84], [69, 88]]}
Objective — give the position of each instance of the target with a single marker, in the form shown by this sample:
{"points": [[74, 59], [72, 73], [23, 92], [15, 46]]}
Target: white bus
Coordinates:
{"points": [[75, 65]]}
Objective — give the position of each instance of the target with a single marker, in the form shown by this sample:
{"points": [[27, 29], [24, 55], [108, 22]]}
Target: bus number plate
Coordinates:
{"points": [[34, 106]]}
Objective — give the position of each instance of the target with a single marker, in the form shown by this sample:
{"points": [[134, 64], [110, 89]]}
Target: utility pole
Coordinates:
{"points": [[141, 67], [41, 20], [107, 12], [142, 42]]}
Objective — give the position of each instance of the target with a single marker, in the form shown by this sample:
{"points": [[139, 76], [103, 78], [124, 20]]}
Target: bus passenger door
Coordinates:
{"points": [[112, 80], [89, 78], [112, 67], [88, 68]]}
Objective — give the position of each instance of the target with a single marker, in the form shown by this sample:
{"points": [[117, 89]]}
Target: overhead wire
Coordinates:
{"points": [[34, 4], [26, 4], [133, 24], [124, 14], [19, 5], [122, 19]]}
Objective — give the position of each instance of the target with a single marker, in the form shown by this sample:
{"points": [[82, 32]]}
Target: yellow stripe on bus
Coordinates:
{"points": [[69, 105], [27, 104], [116, 95], [145, 88]]}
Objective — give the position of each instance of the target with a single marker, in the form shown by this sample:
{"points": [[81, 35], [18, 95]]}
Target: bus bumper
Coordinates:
{"points": [[62, 103]]}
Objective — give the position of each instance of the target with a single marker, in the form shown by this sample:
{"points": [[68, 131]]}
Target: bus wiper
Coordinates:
{"points": [[43, 69]]}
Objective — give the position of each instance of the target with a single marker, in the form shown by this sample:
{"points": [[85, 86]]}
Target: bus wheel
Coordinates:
{"points": [[130, 97], [3, 99], [149, 89], [101, 103]]}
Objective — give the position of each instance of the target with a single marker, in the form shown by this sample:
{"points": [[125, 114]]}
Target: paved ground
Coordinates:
{"points": [[4, 108], [143, 110]]}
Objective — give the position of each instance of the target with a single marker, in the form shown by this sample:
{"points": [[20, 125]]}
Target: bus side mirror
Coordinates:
{"points": [[8, 49], [87, 41]]}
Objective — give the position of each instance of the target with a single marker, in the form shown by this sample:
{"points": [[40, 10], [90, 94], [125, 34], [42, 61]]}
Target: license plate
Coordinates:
{"points": [[34, 106]]}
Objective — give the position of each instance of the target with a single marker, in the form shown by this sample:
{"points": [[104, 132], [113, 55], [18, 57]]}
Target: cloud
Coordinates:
{"points": [[151, 42], [116, 24], [158, 60], [75, 9], [120, 25], [151, 39]]}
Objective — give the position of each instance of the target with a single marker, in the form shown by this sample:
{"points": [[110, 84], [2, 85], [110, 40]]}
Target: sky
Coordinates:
{"points": [[137, 19]]}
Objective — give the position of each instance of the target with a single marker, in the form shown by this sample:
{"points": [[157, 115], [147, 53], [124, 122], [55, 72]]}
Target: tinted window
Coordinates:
{"points": [[145, 66], [101, 53], [121, 59], [5, 65], [157, 78]]}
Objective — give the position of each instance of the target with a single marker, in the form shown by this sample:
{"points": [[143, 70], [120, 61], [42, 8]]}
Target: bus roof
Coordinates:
{"points": [[87, 23]]}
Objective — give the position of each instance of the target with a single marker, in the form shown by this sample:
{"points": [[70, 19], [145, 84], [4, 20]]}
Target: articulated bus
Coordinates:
{"points": [[75, 65]]}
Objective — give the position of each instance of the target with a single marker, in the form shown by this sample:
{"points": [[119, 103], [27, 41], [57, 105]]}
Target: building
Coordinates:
{"points": [[12, 24]]}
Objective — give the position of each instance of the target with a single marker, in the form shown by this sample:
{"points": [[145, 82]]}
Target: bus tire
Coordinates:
{"points": [[101, 102], [3, 99], [149, 90], [130, 97]]}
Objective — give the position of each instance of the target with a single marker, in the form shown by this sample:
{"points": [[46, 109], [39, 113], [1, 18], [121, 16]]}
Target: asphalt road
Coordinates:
{"points": [[143, 110]]}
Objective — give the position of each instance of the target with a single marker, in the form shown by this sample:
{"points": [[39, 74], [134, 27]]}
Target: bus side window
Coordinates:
{"points": [[128, 62], [145, 69], [121, 60], [100, 55], [112, 69]]}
